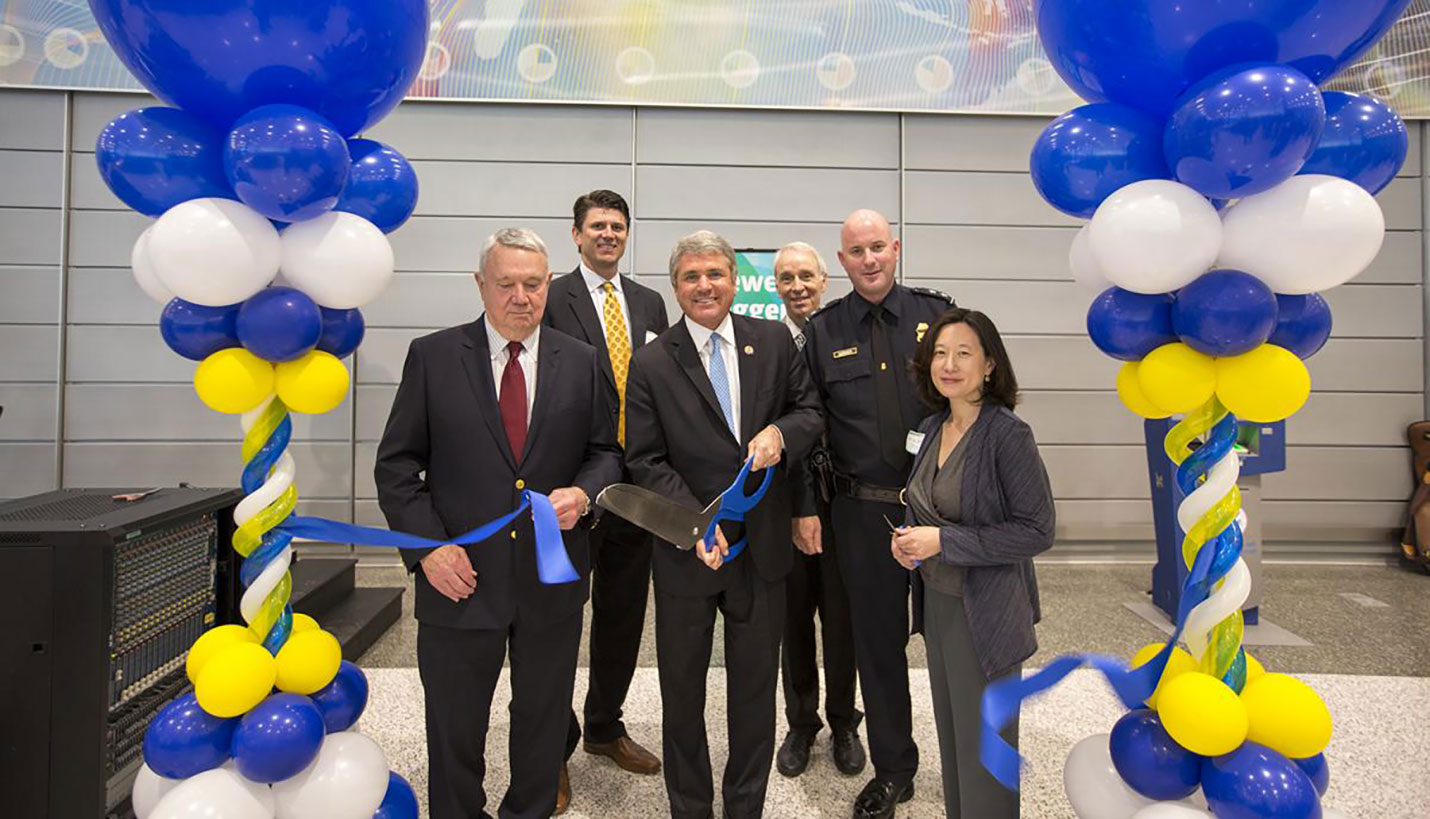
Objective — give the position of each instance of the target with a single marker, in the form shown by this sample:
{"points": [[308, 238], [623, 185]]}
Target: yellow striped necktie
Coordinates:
{"points": [[618, 342]]}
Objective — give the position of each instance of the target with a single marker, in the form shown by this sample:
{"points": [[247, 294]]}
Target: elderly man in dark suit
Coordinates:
{"points": [[616, 315], [714, 390], [485, 411]]}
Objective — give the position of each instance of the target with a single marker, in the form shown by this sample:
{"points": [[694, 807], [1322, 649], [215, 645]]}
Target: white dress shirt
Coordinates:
{"points": [[594, 285], [729, 352], [794, 330], [527, 360]]}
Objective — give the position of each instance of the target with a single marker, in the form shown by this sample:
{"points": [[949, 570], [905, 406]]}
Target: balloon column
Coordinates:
{"points": [[1224, 191], [268, 236]]}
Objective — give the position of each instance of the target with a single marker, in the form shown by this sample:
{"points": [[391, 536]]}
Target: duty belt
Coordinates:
{"points": [[849, 487]]}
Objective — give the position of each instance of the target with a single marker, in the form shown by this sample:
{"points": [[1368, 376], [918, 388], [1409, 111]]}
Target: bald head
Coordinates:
{"points": [[869, 253]]}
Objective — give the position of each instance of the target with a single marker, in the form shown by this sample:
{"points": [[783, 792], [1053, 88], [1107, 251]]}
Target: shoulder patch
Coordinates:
{"points": [[826, 306], [929, 291]]}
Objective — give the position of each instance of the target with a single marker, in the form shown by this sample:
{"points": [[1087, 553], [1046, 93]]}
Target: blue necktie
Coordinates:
{"points": [[721, 383]]}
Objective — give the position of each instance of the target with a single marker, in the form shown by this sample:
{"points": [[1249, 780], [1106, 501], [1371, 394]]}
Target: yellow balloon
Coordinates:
{"points": [[236, 679], [313, 384], [1254, 669], [302, 623], [1267, 384], [308, 661], [1179, 663], [1286, 715], [211, 642], [1131, 393], [1177, 378], [233, 380], [1202, 714]]}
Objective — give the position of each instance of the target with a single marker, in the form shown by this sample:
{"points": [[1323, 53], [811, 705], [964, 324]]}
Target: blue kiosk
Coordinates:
{"points": [[1262, 449]]}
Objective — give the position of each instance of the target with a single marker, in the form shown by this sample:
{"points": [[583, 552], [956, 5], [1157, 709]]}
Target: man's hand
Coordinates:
{"points": [[912, 544], [569, 502], [808, 537], [450, 572], [765, 447], [713, 556]]}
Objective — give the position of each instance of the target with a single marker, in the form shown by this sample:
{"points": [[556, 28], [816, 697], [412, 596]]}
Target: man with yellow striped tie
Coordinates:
{"points": [[616, 315]]}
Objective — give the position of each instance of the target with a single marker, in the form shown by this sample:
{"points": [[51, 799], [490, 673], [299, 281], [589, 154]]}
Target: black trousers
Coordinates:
{"points": [[459, 670], [753, 610], [879, 605], [815, 586], [620, 587]]}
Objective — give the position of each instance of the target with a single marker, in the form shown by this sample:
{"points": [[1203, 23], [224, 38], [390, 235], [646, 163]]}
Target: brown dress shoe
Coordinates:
{"points": [[627, 754], [563, 791]]}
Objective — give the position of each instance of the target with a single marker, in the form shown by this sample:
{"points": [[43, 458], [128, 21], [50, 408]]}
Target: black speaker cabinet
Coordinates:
{"points": [[100, 599]]}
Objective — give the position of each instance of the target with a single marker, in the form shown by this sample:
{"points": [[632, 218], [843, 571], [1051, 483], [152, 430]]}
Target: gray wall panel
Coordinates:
{"points": [[87, 189], [425, 300], [1376, 311], [367, 513], [940, 143], [986, 252], [26, 469], [379, 360], [374, 402], [32, 179], [1078, 417], [764, 194], [104, 238], [364, 460], [32, 295], [94, 110], [693, 136], [515, 133], [454, 243], [29, 352], [1400, 200], [972, 198], [124, 354], [109, 295], [1369, 365], [34, 120], [323, 469], [1059, 363], [510, 190], [173, 412], [29, 412], [29, 236], [1021, 307], [1399, 260]]}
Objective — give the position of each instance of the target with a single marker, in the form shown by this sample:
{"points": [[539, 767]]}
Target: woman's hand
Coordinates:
{"points": [[912, 544]]}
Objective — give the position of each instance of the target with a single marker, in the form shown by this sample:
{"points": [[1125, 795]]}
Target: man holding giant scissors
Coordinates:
{"points": [[713, 391]]}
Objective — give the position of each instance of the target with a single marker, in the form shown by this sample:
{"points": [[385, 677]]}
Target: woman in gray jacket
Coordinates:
{"points": [[979, 508]]}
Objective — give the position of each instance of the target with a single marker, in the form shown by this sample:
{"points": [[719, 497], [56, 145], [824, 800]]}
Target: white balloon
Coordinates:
{"points": [[217, 794], [1154, 236], [213, 251], [1084, 267], [144, 273], [1093, 785], [347, 781], [1309, 233], [149, 789], [1171, 810], [339, 260]]}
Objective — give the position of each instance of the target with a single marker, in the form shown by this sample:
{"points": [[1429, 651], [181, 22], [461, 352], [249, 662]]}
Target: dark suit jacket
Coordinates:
{"points": [[444, 467], [677, 442]]}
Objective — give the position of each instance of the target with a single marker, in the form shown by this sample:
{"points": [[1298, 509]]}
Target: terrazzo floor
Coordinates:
{"points": [[1369, 660]]}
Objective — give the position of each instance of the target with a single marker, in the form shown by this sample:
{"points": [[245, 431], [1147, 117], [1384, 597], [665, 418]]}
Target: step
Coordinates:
{"points": [[363, 617], [319, 584]]}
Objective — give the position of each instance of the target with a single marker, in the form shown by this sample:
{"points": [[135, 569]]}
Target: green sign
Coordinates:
{"points": [[755, 294]]}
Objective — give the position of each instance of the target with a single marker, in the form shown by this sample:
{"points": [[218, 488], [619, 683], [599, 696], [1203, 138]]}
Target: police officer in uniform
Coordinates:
{"points": [[857, 348]]}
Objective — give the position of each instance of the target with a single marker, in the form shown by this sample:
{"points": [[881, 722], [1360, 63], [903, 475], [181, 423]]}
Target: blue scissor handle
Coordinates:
{"points": [[734, 503]]}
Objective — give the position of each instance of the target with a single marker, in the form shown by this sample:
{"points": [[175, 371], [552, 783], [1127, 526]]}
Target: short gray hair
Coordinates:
{"points": [[802, 247], [520, 238], [698, 244]]}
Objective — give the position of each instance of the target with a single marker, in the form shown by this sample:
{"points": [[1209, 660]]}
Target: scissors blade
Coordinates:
{"points": [[655, 513]]}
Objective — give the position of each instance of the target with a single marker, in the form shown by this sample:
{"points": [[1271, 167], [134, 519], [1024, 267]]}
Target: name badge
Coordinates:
{"points": [[846, 352], [912, 443]]}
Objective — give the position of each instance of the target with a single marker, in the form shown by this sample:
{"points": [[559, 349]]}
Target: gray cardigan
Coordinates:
{"points": [[1007, 519]]}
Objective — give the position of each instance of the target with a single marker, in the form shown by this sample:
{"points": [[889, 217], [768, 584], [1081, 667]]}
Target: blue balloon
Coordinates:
{"points": [[1364, 141], [399, 802], [1127, 325], [1255, 782], [342, 331], [1091, 151], [1303, 323], [1145, 53], [342, 701], [155, 158], [349, 60], [1244, 130], [286, 162], [278, 738], [279, 324], [382, 186], [183, 739], [196, 331], [1149, 760], [1224, 312], [1316, 768]]}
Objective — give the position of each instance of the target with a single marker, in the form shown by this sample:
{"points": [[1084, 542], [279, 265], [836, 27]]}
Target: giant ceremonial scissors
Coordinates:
{"points": [[680, 525]]}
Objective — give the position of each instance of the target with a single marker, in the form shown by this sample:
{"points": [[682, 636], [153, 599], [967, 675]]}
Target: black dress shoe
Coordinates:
{"points": [[880, 797], [848, 752], [793, 756]]}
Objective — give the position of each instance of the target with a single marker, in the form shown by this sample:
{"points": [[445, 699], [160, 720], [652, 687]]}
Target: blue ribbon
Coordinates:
{"points": [[553, 565]]}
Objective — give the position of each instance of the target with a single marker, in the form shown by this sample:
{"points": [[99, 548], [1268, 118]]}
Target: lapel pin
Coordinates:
{"points": [[922, 328], [749, 350]]}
